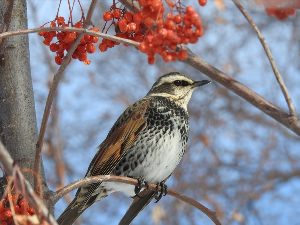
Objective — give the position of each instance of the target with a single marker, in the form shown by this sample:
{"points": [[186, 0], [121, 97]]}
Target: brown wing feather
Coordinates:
{"points": [[119, 140]]}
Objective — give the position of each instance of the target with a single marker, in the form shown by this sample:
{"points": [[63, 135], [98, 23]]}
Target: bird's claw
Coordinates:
{"points": [[139, 186], [163, 191]]}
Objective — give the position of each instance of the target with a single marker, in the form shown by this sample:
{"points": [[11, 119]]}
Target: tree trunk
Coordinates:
{"points": [[18, 130]]}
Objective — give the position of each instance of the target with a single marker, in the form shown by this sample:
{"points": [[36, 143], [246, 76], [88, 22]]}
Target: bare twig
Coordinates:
{"points": [[126, 180], [241, 90], [57, 77], [72, 29], [277, 74], [9, 168]]}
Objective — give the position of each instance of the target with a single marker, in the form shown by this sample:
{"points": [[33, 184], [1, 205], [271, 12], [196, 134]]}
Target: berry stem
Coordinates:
{"points": [[58, 8]]}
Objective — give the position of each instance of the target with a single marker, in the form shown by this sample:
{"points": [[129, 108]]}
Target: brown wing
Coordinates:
{"points": [[119, 140]]}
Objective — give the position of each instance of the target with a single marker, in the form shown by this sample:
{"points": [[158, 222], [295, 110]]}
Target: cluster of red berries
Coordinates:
{"points": [[21, 207], [281, 13], [161, 27], [158, 32], [64, 39]]}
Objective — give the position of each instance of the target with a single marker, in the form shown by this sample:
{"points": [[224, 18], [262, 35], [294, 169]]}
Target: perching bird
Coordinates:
{"points": [[147, 142]]}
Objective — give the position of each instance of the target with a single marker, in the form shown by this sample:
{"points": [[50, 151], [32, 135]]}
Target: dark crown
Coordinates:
{"points": [[171, 81]]}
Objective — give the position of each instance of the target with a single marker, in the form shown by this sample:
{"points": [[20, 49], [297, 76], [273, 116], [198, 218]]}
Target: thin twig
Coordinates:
{"points": [[56, 79], [9, 168], [126, 180], [277, 74], [72, 29]]}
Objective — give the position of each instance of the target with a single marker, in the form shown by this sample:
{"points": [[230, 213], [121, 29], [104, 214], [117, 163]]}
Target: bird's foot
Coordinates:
{"points": [[140, 185], [162, 191]]}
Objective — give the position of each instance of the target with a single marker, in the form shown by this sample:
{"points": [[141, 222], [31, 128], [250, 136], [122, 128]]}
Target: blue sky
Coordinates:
{"points": [[92, 97]]}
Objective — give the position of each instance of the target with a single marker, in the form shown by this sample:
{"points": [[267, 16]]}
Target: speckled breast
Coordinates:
{"points": [[160, 147]]}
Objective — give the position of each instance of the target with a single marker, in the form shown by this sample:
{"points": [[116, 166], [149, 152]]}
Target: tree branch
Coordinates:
{"points": [[241, 90], [277, 74], [72, 29], [56, 79], [289, 121], [126, 180], [9, 168]]}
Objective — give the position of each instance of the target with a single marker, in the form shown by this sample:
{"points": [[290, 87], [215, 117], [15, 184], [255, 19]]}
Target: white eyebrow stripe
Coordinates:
{"points": [[172, 78]]}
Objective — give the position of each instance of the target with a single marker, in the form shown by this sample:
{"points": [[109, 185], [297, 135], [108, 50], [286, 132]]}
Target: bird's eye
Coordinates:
{"points": [[181, 83]]}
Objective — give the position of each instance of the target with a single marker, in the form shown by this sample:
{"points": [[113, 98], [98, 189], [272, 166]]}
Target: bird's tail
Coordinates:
{"points": [[138, 204], [71, 213]]}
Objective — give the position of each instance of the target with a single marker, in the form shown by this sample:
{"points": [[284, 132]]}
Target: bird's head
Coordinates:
{"points": [[176, 86]]}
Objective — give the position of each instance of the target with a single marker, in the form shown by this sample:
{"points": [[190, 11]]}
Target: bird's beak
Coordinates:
{"points": [[201, 83]]}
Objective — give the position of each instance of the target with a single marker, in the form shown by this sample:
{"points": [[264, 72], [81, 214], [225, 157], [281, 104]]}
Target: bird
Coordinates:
{"points": [[147, 142]]}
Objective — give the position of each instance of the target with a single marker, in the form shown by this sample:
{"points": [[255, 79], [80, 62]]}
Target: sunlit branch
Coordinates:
{"points": [[109, 178], [71, 29], [246, 93]]}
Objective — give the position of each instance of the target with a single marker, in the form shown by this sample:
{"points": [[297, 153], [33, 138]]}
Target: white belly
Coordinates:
{"points": [[157, 165]]}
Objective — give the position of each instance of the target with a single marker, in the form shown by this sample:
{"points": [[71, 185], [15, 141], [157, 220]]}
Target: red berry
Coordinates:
{"points": [[128, 16], [163, 32], [90, 48], [151, 59], [31, 211], [82, 57], [143, 47], [117, 13], [58, 60], [42, 33], [7, 214], [182, 55], [149, 22], [123, 26], [87, 62], [102, 47], [47, 41], [177, 19], [96, 29], [87, 38], [107, 16], [137, 18], [54, 47], [79, 24], [60, 20], [94, 39], [52, 24], [202, 2], [131, 27], [70, 37]]}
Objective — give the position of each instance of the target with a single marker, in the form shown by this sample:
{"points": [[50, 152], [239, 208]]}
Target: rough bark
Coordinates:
{"points": [[18, 130]]}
